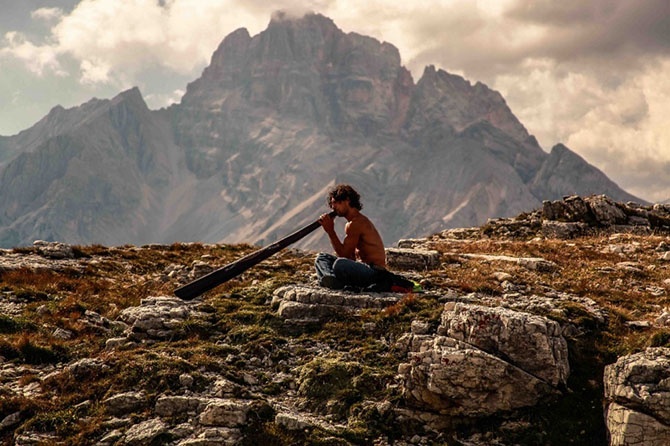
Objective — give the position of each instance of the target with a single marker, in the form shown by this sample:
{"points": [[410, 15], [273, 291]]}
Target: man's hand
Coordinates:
{"points": [[328, 223]]}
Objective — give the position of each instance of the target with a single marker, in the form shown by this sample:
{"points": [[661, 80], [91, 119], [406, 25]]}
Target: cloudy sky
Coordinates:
{"points": [[592, 74]]}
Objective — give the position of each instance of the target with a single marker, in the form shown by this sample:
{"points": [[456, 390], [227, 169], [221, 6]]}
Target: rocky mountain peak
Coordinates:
{"points": [[132, 96], [565, 170], [307, 68], [61, 121], [454, 101]]}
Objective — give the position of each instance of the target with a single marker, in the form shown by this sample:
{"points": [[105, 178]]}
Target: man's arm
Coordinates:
{"points": [[347, 247]]}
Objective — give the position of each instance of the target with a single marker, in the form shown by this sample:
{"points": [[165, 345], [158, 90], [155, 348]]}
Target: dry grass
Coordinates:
{"points": [[587, 267], [243, 326]]}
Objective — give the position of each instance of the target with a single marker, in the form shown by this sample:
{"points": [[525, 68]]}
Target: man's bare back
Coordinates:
{"points": [[370, 247]]}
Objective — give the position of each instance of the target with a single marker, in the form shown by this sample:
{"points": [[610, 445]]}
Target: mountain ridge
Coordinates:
{"points": [[272, 121]]}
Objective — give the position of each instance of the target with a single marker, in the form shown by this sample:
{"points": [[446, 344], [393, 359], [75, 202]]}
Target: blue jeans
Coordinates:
{"points": [[347, 271]]}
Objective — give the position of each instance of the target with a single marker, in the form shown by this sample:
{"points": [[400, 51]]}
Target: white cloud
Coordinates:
{"points": [[94, 71], [114, 41], [39, 60], [47, 14], [619, 128], [161, 100]]}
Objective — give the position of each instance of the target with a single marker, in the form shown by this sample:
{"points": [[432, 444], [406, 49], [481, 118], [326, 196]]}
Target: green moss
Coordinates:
{"points": [[333, 386], [578, 315], [660, 339], [9, 325], [63, 422]]}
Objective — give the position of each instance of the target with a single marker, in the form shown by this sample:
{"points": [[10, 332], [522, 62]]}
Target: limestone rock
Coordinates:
{"points": [[637, 388], [483, 361], [145, 432], [627, 427], [411, 259], [216, 436], [124, 403], [532, 343], [173, 405], [605, 210], [571, 209], [563, 230], [10, 420], [454, 378], [293, 422], [157, 318], [87, 367], [54, 250], [225, 413], [531, 263], [301, 303], [642, 381], [412, 243]]}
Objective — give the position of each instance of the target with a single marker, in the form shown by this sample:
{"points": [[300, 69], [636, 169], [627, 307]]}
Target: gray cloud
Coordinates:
{"points": [[595, 27], [643, 178]]}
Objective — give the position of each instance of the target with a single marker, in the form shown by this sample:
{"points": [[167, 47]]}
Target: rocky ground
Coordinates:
{"points": [[550, 328]]}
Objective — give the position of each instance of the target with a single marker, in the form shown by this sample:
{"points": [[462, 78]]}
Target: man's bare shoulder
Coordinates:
{"points": [[365, 221], [360, 222]]}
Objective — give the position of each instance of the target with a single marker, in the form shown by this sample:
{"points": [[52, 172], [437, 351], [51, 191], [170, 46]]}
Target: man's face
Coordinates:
{"points": [[339, 206]]}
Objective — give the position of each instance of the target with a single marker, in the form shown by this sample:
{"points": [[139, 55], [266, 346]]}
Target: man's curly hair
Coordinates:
{"points": [[343, 192]]}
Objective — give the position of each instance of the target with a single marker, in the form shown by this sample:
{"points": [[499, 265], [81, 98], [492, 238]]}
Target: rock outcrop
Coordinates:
{"points": [[483, 361], [575, 216], [304, 305]]}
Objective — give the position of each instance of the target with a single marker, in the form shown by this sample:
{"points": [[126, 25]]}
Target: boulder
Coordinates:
{"points": [[53, 250], [86, 368], [298, 304], [146, 432], [225, 413], [412, 243], [605, 210], [124, 403], [563, 230], [570, 209], [532, 343], [157, 318], [412, 259], [637, 389], [483, 361], [456, 379], [628, 427], [173, 405]]}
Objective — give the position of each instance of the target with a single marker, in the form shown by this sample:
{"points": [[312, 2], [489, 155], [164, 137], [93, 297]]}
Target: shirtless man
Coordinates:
{"points": [[361, 241]]}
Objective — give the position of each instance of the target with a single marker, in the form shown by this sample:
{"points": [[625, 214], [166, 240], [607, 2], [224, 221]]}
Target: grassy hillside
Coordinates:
{"points": [[340, 375]]}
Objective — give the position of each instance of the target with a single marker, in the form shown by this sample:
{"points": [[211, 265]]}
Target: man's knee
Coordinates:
{"points": [[345, 268], [324, 264], [324, 256], [340, 266]]}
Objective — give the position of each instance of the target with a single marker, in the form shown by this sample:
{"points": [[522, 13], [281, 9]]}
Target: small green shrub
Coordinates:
{"points": [[33, 353], [8, 325]]}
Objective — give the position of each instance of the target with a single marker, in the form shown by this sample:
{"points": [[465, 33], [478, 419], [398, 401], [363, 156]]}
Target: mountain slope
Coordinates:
{"points": [[99, 181]]}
